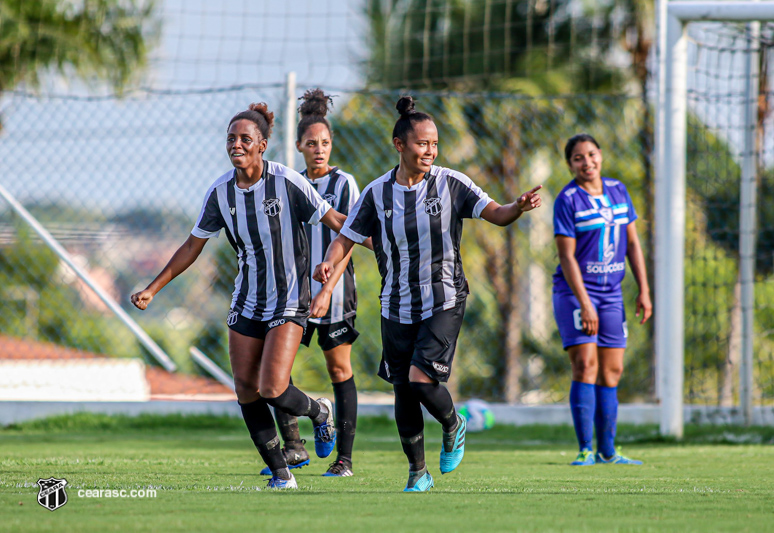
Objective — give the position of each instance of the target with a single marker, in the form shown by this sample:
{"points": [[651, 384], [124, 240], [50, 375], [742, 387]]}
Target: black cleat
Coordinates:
{"points": [[339, 468]]}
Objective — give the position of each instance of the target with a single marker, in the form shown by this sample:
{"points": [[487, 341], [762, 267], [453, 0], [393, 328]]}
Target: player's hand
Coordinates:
{"points": [[644, 304], [589, 320], [322, 272], [142, 299], [530, 200], [320, 304]]}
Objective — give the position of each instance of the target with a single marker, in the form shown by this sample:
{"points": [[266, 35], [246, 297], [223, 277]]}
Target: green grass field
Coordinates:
{"points": [[205, 471]]}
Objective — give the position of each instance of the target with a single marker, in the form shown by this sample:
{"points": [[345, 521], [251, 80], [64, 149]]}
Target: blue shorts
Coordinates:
{"points": [[612, 331]]}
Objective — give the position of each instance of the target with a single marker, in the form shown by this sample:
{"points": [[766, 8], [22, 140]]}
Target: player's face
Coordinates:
{"points": [[244, 144], [315, 146], [586, 162], [421, 147]]}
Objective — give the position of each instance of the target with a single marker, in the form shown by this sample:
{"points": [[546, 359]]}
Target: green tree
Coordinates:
{"points": [[96, 39]]}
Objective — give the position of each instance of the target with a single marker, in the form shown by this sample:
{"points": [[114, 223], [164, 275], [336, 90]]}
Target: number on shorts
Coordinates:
{"points": [[576, 319]]}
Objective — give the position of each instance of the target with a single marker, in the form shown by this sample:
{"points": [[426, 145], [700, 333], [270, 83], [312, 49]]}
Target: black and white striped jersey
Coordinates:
{"points": [[340, 190], [265, 226], [416, 234]]}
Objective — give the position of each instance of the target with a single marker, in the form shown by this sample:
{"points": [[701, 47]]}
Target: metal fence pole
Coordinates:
{"points": [[290, 120], [747, 216]]}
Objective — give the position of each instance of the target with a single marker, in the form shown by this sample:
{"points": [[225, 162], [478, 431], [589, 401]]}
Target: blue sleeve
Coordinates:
{"points": [[564, 216]]}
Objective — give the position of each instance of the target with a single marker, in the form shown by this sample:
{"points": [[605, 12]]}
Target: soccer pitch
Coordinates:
{"points": [[205, 472]]}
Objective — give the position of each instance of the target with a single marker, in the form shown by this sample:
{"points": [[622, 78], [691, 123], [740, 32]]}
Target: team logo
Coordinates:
{"points": [[607, 214], [388, 213], [330, 198], [272, 207], [275, 323], [232, 318], [443, 369], [52, 493], [433, 206], [232, 210]]}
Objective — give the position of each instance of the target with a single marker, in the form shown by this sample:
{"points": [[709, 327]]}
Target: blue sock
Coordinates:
{"points": [[582, 402], [605, 419]]}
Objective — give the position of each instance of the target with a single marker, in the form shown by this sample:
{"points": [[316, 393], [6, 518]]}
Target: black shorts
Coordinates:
{"points": [[258, 328], [428, 345], [331, 335]]}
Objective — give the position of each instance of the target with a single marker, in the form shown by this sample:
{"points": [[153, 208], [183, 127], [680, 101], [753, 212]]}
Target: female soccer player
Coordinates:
{"points": [[263, 207], [594, 231], [414, 213], [334, 304]]}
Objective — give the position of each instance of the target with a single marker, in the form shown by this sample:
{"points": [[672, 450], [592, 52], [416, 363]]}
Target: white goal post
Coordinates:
{"points": [[670, 199]]}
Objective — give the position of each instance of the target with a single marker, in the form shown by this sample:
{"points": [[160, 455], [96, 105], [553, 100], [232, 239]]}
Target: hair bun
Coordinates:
{"points": [[405, 106], [315, 103]]}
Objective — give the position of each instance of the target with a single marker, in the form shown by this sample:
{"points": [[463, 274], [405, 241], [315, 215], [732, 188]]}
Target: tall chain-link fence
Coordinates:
{"points": [[119, 182]]}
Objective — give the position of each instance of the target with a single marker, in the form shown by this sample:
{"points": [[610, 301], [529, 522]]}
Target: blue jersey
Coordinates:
{"points": [[598, 225]]}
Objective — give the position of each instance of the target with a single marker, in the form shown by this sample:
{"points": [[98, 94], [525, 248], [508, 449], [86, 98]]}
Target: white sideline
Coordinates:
{"points": [[13, 412]]}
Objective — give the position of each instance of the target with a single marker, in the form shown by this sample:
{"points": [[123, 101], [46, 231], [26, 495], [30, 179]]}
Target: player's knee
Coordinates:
{"points": [[584, 370], [246, 392], [611, 375], [271, 392], [339, 372]]}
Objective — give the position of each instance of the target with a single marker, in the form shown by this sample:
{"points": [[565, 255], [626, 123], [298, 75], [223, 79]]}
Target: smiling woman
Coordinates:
{"points": [[263, 207], [414, 213]]}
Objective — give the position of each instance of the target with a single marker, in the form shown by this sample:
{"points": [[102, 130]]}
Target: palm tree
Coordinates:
{"points": [[96, 39]]}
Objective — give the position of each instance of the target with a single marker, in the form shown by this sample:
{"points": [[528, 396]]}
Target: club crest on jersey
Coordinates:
{"points": [[232, 318], [330, 198], [433, 206], [52, 493], [232, 210], [272, 207], [388, 213], [607, 214]]}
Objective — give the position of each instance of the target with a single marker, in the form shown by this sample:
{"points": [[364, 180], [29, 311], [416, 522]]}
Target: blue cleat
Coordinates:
{"points": [[585, 458], [420, 481], [617, 459], [325, 433], [296, 456], [453, 447], [279, 484], [339, 468]]}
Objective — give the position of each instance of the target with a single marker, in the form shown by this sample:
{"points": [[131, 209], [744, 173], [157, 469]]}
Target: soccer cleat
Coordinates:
{"points": [[617, 459], [339, 468], [295, 455], [279, 484], [453, 447], [420, 481], [585, 458], [325, 433]]}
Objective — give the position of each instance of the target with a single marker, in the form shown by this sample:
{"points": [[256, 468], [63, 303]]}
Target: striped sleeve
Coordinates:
{"points": [[210, 220], [467, 198], [307, 203], [362, 218]]}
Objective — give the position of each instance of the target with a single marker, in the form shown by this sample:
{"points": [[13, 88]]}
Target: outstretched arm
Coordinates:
{"points": [[335, 220], [502, 215], [572, 274], [181, 260], [637, 264], [321, 302], [340, 248]]}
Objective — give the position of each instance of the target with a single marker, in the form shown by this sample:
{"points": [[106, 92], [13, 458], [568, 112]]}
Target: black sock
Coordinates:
{"points": [[296, 403], [411, 425], [438, 402], [345, 394], [288, 426], [260, 424]]}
